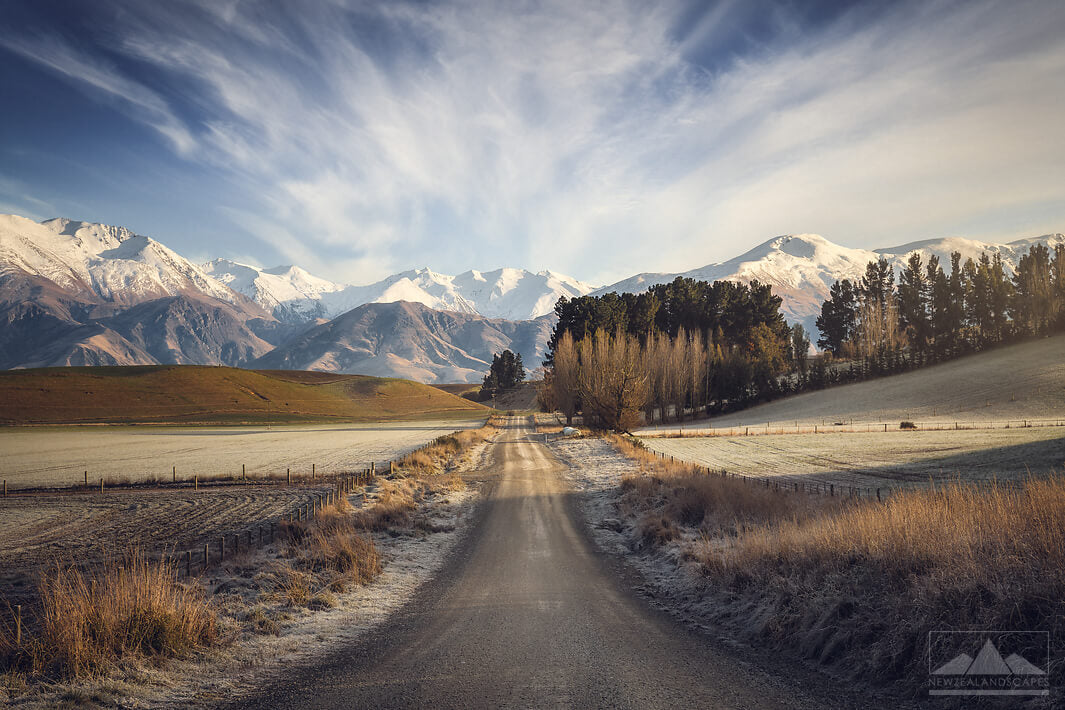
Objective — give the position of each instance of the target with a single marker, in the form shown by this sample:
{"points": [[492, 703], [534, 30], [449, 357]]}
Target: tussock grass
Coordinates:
{"points": [[668, 497], [130, 607], [855, 584], [868, 583], [444, 451], [329, 552]]}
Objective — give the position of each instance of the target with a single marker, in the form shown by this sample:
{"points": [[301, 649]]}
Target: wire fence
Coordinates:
{"points": [[840, 427]]}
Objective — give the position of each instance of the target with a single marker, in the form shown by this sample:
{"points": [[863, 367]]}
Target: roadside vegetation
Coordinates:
{"points": [[855, 585], [88, 622]]}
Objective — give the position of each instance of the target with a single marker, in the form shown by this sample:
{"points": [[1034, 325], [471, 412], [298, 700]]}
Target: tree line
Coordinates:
{"points": [[932, 315], [690, 346], [683, 347]]}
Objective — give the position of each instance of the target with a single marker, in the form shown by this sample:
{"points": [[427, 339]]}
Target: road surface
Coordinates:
{"points": [[528, 614]]}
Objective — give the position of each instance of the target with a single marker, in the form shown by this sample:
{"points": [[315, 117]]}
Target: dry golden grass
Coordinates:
{"points": [[330, 551], [444, 451], [859, 584], [131, 607]]}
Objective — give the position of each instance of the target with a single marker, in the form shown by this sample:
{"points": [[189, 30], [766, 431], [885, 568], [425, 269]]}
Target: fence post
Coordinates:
{"points": [[86, 479], [173, 472], [877, 495], [243, 472], [18, 626], [832, 490], [101, 484], [206, 556], [196, 482], [5, 488], [391, 468], [313, 468], [288, 474], [372, 471]]}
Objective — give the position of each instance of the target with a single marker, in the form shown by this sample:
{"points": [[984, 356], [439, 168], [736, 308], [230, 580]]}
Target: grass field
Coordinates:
{"points": [[59, 456], [1017, 382], [892, 459], [216, 395]]}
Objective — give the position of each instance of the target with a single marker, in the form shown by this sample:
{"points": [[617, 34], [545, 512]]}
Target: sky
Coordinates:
{"points": [[597, 139]]}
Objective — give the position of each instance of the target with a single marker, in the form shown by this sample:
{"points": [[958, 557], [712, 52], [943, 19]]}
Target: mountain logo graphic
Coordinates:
{"points": [[988, 662]]}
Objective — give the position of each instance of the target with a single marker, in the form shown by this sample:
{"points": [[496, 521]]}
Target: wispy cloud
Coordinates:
{"points": [[594, 138]]}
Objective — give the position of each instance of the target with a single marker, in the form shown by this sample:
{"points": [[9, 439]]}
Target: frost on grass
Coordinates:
{"points": [[284, 605], [851, 585]]}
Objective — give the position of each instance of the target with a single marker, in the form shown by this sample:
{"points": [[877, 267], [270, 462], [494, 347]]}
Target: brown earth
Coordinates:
{"points": [[38, 531]]}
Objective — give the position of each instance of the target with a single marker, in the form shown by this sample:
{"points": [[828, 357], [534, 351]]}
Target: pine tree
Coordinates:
{"points": [[838, 317], [913, 311]]}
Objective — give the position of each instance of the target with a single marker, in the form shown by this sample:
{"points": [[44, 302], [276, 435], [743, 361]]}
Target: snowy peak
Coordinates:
{"points": [[802, 267], [292, 294], [111, 263]]}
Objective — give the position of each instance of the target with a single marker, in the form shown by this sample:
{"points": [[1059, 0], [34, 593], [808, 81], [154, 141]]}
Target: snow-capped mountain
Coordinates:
{"points": [[293, 295], [802, 267], [110, 263]]}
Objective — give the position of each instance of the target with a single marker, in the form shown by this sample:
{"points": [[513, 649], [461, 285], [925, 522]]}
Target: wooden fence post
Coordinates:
{"points": [[288, 474], [243, 472], [877, 495], [313, 468], [372, 471], [18, 626], [174, 476], [5, 488], [101, 485], [196, 482], [832, 489], [86, 479], [206, 556]]}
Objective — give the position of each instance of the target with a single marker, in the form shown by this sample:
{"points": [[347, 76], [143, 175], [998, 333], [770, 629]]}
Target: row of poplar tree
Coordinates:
{"points": [[933, 314], [690, 346], [685, 346]]}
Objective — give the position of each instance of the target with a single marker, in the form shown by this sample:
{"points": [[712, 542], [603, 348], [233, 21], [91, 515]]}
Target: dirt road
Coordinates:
{"points": [[528, 614]]}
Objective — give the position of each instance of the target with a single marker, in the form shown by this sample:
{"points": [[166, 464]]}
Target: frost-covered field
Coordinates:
{"points": [[895, 458], [1013, 383], [59, 456]]}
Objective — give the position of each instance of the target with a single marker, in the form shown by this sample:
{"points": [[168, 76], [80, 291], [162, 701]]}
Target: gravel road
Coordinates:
{"points": [[528, 613]]}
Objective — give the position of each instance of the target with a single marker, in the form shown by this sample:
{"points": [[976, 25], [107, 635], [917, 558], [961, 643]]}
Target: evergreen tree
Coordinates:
{"points": [[1032, 305], [506, 372], [838, 318], [913, 311]]}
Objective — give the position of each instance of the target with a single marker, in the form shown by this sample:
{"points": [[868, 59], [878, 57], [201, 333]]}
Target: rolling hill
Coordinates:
{"points": [[196, 394], [1016, 382]]}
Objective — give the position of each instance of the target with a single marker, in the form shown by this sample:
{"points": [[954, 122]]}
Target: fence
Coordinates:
{"points": [[260, 534], [829, 427], [814, 486]]}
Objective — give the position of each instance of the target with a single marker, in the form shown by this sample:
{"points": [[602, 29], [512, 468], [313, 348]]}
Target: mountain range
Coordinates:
{"points": [[79, 293]]}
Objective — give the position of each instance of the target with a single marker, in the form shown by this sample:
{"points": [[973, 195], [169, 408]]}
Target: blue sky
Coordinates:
{"points": [[598, 139]]}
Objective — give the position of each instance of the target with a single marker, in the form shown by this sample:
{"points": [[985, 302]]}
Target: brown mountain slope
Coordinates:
{"points": [[412, 341]]}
